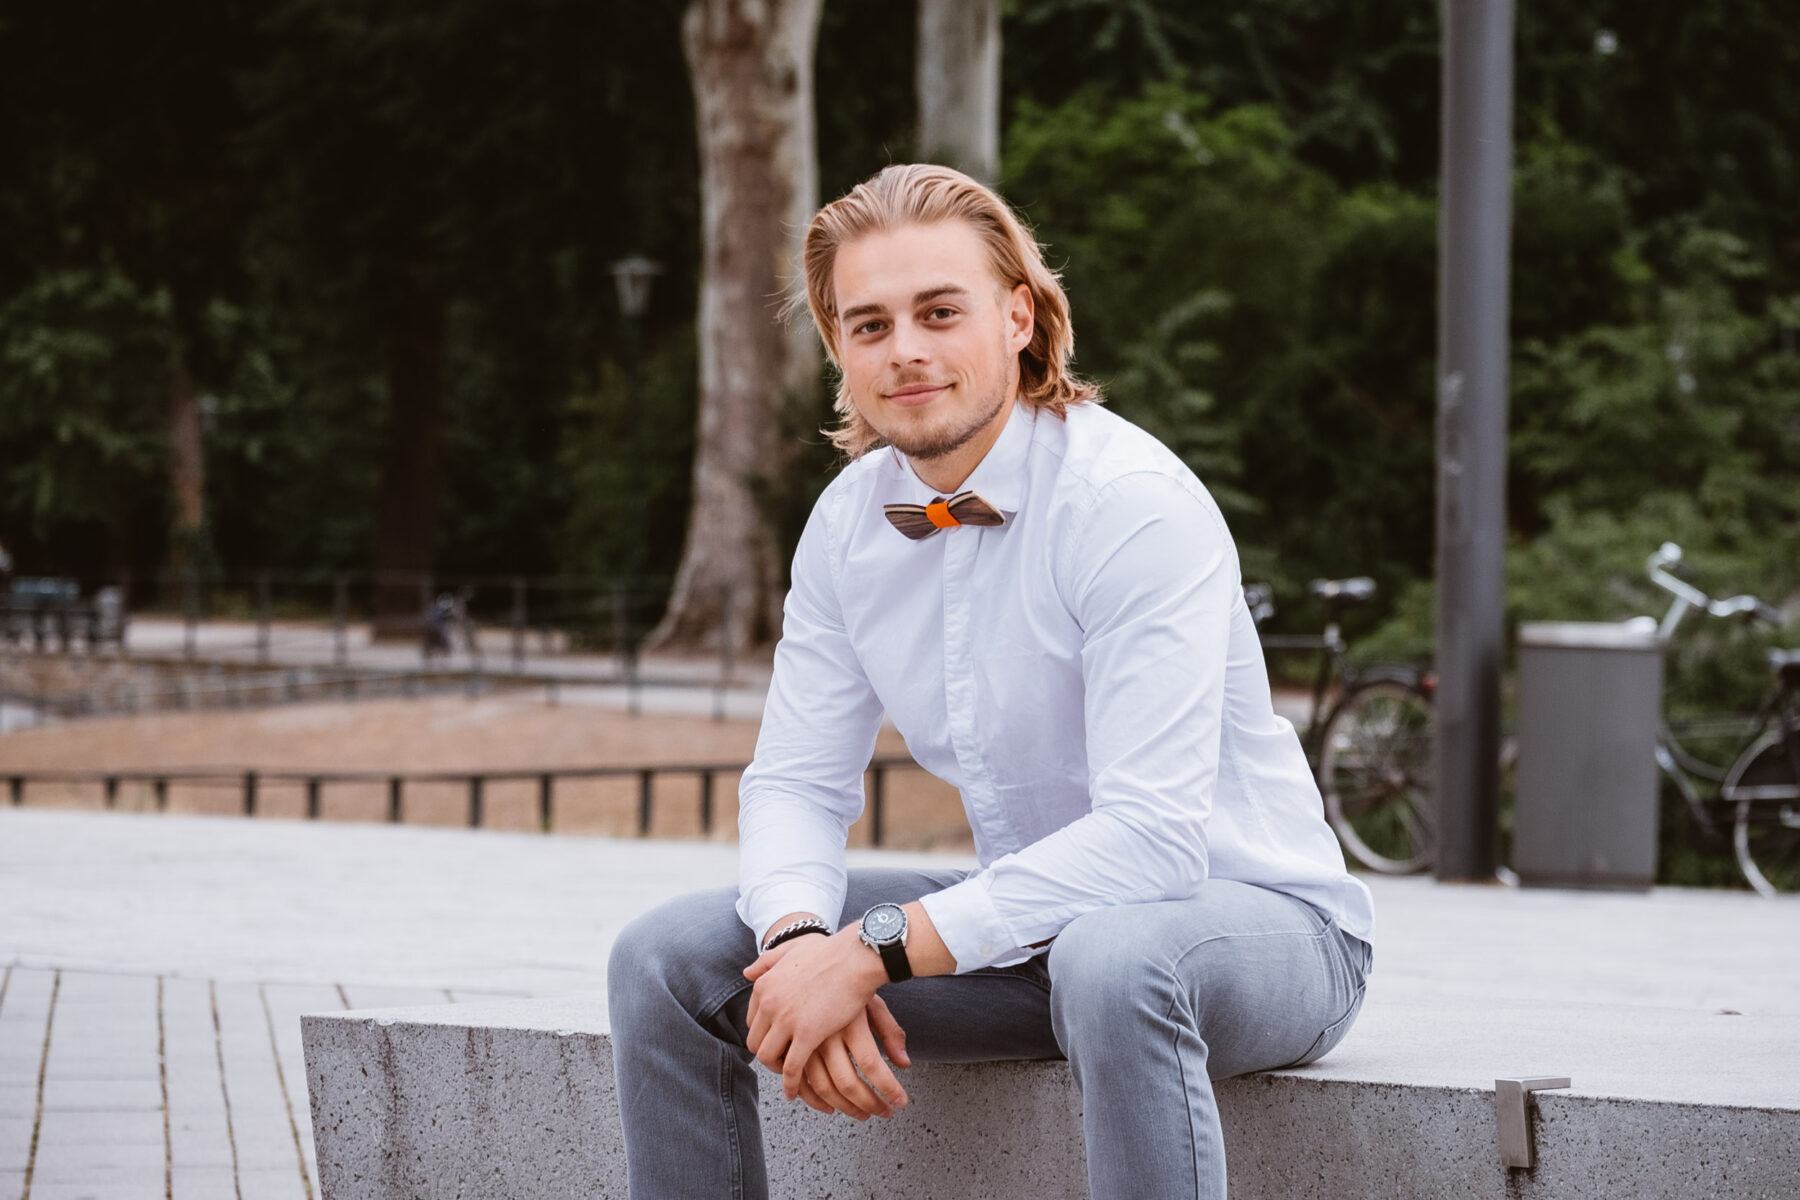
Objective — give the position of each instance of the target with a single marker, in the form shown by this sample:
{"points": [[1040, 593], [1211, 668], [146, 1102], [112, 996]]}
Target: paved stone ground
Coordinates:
{"points": [[153, 969], [119, 1086]]}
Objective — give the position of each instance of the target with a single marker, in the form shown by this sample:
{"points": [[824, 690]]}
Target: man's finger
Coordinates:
{"points": [[819, 1076], [849, 1083], [772, 1048], [867, 1056], [765, 960], [893, 1038], [791, 1062], [757, 1030], [812, 1099]]}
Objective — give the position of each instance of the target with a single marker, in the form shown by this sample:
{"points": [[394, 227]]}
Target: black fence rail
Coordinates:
{"points": [[249, 782]]}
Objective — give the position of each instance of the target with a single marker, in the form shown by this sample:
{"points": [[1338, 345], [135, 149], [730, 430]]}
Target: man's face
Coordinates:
{"points": [[929, 337]]}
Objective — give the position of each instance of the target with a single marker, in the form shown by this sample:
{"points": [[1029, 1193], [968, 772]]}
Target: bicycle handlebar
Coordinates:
{"points": [[1349, 591], [1687, 596]]}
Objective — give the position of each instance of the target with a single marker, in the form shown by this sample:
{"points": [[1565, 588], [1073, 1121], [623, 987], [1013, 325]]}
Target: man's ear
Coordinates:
{"points": [[1021, 318]]}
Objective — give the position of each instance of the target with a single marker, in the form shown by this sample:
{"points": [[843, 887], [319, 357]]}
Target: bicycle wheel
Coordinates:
{"points": [[1375, 776], [1766, 831]]}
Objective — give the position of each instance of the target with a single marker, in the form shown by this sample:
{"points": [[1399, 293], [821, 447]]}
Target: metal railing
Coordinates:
{"points": [[586, 613], [250, 782]]}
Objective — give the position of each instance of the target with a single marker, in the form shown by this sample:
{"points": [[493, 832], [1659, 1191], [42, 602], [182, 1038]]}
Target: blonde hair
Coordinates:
{"points": [[922, 194]]}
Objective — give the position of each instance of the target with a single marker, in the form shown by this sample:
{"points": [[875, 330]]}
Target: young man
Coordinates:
{"points": [[1046, 602]]}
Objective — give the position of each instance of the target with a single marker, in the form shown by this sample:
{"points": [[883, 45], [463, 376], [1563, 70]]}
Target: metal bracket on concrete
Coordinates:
{"points": [[1510, 1112]]}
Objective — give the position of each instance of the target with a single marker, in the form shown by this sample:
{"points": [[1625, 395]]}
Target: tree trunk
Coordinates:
{"points": [[957, 82], [187, 470], [406, 534], [751, 63]]}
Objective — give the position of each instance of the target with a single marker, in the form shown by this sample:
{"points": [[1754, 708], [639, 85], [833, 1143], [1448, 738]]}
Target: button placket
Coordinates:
{"points": [[959, 677]]}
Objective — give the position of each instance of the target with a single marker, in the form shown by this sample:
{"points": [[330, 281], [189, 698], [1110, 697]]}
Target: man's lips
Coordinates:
{"points": [[914, 394]]}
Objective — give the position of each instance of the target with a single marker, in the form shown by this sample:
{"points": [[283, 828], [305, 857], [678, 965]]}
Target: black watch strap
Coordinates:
{"points": [[899, 967]]}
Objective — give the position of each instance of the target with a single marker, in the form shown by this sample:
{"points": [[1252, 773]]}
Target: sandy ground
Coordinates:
{"points": [[453, 733]]}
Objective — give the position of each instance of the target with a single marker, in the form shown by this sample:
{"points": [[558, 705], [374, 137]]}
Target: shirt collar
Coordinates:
{"points": [[999, 478]]}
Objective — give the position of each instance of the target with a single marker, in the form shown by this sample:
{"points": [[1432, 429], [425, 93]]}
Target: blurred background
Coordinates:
{"points": [[375, 300]]}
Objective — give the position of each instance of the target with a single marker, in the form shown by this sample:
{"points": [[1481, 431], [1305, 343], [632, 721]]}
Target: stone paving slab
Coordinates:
{"points": [[193, 945]]}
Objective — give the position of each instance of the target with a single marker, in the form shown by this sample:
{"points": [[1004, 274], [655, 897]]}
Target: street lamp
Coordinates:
{"points": [[633, 277]]}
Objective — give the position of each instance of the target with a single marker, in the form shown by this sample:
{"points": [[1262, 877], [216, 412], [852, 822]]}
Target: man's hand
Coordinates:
{"points": [[807, 990], [846, 1074]]}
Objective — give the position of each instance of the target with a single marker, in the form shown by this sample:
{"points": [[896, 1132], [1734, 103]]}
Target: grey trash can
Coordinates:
{"points": [[1590, 704]]}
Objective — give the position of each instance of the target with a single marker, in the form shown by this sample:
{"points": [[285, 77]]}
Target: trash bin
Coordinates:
{"points": [[1590, 705]]}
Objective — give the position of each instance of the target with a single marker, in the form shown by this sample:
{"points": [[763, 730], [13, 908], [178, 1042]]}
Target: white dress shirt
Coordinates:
{"points": [[1086, 675]]}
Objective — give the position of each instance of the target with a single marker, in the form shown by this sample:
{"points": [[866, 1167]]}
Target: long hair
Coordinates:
{"points": [[922, 194]]}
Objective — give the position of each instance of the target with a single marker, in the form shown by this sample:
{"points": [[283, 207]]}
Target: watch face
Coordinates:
{"points": [[884, 922]]}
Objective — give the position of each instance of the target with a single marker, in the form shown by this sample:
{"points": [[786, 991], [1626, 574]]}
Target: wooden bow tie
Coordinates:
{"points": [[922, 520]]}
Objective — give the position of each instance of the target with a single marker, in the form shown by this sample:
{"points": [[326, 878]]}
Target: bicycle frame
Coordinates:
{"points": [[1680, 766]]}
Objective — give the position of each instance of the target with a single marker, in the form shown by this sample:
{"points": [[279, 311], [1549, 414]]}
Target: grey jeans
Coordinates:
{"points": [[1148, 1002]]}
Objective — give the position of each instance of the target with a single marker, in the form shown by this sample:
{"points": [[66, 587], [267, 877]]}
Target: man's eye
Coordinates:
{"points": [[867, 327], [942, 314]]}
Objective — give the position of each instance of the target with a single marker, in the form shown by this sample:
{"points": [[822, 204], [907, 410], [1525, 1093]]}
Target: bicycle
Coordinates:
{"points": [[1758, 795], [1371, 749]]}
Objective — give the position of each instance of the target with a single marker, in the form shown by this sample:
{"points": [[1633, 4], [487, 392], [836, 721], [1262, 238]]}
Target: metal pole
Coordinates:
{"points": [[706, 803], [249, 793], [546, 784], [262, 617], [424, 616], [190, 585], [518, 626], [644, 783], [1475, 216], [124, 613], [394, 786], [475, 782], [340, 613]]}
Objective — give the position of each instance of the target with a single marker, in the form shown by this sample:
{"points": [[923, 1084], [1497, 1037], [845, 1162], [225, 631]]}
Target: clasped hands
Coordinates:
{"points": [[816, 1019]]}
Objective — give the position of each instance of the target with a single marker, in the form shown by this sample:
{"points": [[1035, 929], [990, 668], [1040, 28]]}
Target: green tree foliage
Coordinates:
{"points": [[1242, 201], [84, 360]]}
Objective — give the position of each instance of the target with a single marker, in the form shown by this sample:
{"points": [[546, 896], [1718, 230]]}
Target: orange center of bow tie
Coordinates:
{"points": [[922, 520]]}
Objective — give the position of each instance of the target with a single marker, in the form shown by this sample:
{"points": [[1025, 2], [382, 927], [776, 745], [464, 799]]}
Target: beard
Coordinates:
{"points": [[927, 440], [946, 437]]}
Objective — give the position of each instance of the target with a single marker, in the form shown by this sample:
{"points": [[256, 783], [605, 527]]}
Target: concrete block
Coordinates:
{"points": [[516, 1098]]}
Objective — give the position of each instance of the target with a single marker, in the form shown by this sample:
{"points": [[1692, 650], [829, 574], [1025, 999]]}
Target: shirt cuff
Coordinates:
{"points": [[772, 903], [973, 930]]}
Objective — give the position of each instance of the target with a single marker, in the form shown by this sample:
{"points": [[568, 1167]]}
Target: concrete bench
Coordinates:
{"points": [[503, 1099]]}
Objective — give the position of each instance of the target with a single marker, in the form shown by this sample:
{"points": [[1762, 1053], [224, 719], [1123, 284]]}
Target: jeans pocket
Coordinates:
{"points": [[1334, 1032]]}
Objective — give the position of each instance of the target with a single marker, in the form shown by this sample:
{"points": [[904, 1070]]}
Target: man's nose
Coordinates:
{"points": [[909, 344]]}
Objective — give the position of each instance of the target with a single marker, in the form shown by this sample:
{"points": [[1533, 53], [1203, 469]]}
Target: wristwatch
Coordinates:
{"points": [[884, 931]]}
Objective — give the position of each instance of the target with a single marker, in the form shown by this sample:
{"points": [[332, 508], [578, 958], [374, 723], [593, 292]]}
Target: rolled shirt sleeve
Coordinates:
{"points": [[1151, 577]]}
